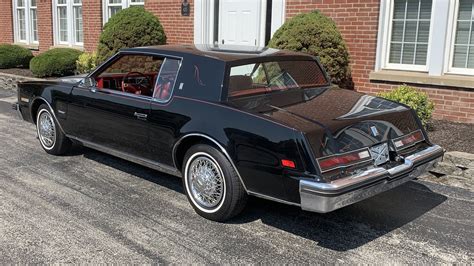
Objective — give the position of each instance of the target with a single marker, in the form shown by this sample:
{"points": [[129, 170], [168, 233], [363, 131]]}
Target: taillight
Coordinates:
{"points": [[343, 160], [408, 140], [288, 163]]}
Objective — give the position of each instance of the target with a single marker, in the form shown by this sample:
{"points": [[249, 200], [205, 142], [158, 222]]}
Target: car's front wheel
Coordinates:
{"points": [[51, 138], [211, 184]]}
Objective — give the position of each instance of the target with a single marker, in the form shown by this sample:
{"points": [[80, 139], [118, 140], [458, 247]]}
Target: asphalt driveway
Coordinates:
{"points": [[90, 207]]}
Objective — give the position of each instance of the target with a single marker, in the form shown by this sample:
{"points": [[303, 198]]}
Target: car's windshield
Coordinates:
{"points": [[267, 77]]}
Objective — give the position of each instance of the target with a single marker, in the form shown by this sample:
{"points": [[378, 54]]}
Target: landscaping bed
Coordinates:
{"points": [[452, 136], [18, 71]]}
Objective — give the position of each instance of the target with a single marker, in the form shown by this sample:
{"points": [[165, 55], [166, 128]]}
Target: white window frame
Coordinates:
{"points": [[451, 36], [125, 4], [28, 23], [71, 30], [385, 49]]}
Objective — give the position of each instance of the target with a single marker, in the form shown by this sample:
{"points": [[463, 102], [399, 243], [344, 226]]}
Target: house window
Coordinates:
{"points": [[410, 31], [462, 59], [25, 16], [68, 22], [111, 7]]}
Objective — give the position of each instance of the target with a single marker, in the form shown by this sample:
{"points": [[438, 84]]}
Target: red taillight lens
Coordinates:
{"points": [[288, 163], [341, 160], [408, 140]]}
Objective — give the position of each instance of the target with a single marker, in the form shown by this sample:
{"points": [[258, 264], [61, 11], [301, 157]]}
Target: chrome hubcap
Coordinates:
{"points": [[46, 130], [206, 184]]}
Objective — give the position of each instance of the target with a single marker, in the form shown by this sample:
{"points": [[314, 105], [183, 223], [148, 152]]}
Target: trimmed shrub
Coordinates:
{"points": [[86, 63], [12, 56], [316, 34], [128, 28], [55, 62], [414, 98]]}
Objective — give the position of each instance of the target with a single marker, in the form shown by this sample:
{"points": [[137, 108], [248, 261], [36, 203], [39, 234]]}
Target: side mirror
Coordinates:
{"points": [[88, 82]]}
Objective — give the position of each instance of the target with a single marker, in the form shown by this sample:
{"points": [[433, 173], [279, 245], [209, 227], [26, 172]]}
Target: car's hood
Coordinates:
{"points": [[336, 120]]}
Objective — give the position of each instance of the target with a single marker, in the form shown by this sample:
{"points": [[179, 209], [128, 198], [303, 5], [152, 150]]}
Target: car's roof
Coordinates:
{"points": [[225, 53]]}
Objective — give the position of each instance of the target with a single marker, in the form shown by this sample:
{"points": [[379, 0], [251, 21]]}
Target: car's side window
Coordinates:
{"points": [[135, 74], [166, 79]]}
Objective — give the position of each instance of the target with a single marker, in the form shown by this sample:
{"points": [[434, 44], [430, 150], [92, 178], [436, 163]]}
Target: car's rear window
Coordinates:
{"points": [[269, 77]]}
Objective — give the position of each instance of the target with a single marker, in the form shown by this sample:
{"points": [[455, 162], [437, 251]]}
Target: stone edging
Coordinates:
{"points": [[10, 81], [456, 169]]}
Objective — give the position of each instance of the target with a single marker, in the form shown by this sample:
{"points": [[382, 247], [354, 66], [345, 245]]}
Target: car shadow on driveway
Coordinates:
{"points": [[341, 230], [352, 226]]}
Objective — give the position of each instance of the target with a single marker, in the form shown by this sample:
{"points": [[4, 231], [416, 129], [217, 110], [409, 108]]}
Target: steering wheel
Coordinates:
{"points": [[135, 88]]}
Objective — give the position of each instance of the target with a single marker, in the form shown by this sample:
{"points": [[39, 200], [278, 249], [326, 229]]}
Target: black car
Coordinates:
{"points": [[234, 122]]}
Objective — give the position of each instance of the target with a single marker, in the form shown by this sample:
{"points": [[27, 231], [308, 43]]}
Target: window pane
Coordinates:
{"points": [[33, 3], [61, 2], [77, 1], [460, 56], [410, 31], [78, 24], [167, 79], [20, 3], [34, 25], [114, 10], [464, 40], [115, 1], [21, 24], [62, 22], [138, 73]]}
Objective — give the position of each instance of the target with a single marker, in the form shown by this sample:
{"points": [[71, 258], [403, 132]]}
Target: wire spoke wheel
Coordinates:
{"points": [[206, 182], [46, 129]]}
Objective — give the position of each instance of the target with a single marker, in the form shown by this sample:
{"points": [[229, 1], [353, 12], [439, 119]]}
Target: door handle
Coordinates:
{"points": [[140, 116], [93, 89]]}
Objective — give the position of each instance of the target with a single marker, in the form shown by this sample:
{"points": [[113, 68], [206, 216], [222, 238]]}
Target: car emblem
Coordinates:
{"points": [[374, 130], [380, 153]]}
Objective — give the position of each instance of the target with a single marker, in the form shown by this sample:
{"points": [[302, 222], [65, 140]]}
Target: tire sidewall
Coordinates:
{"points": [[42, 110], [223, 208]]}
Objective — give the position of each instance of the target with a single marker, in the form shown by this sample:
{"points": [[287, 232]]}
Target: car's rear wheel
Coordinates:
{"points": [[211, 184], [51, 138]]}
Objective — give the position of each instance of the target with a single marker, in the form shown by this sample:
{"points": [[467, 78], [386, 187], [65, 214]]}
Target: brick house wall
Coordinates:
{"points": [[178, 29], [358, 22], [92, 24], [6, 21], [45, 25]]}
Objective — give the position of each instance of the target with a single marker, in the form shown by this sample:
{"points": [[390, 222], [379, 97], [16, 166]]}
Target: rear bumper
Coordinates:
{"points": [[326, 197]]}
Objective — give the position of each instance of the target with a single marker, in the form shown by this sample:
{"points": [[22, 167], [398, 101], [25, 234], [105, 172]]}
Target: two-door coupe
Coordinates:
{"points": [[234, 122]]}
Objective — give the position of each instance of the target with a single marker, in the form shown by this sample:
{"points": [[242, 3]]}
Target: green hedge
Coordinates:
{"points": [[316, 34], [12, 56], [131, 27], [414, 98], [55, 62]]}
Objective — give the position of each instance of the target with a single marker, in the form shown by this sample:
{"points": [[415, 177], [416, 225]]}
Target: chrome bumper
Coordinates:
{"points": [[326, 197]]}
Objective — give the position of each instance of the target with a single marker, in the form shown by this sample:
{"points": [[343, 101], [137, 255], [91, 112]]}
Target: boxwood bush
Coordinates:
{"points": [[414, 98], [55, 62], [316, 34], [12, 56], [86, 63], [128, 28]]}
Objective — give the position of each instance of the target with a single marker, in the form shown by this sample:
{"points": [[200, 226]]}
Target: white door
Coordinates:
{"points": [[241, 22]]}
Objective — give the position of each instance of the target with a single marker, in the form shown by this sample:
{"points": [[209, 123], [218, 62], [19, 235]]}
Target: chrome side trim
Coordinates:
{"points": [[129, 157], [175, 146], [379, 172], [263, 196], [50, 107]]}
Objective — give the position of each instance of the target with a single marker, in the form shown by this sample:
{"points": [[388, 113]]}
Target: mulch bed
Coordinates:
{"points": [[18, 71], [452, 136]]}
